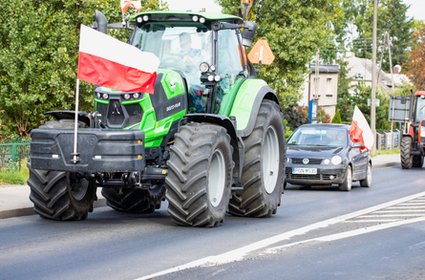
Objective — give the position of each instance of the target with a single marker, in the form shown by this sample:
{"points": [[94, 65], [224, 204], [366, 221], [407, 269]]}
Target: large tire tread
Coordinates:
{"points": [[187, 179], [253, 201], [53, 198]]}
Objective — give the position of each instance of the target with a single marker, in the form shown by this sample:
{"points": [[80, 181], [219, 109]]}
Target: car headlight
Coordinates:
{"points": [[336, 160], [326, 161]]}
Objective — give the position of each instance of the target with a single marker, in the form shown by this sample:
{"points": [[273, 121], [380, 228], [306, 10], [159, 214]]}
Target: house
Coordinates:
{"points": [[322, 86], [360, 69]]}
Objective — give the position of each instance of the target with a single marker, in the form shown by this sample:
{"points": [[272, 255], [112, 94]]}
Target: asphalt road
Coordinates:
{"points": [[318, 233]]}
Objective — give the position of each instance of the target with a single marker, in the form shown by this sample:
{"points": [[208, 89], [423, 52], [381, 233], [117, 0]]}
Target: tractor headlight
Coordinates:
{"points": [[105, 96], [136, 95], [217, 78], [202, 20], [210, 78], [204, 67], [195, 18], [127, 96], [139, 19], [145, 18], [336, 160]]}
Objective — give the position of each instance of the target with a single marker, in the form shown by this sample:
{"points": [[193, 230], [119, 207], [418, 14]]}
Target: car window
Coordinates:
{"points": [[320, 136]]}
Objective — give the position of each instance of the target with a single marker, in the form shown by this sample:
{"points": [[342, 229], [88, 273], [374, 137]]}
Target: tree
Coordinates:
{"points": [[392, 18], [337, 117], [416, 61], [295, 31], [38, 51]]}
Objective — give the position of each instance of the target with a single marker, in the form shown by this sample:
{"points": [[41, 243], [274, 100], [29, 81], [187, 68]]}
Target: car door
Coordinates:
{"points": [[359, 161]]}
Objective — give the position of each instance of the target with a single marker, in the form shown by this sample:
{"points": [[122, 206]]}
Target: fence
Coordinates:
{"points": [[12, 154]]}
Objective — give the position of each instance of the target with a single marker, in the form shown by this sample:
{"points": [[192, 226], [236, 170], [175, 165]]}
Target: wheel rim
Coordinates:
{"points": [[216, 178], [270, 159], [78, 187]]}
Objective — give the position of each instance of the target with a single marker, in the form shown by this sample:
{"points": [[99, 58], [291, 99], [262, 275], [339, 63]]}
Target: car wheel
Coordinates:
{"points": [[346, 185], [367, 182]]}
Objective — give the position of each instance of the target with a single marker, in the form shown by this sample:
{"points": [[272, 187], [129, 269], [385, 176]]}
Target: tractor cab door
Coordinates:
{"points": [[230, 67]]}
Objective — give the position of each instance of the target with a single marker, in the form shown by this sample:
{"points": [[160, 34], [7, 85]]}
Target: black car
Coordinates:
{"points": [[323, 154]]}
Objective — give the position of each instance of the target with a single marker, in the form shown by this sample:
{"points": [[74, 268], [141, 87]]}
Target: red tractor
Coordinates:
{"points": [[412, 146]]}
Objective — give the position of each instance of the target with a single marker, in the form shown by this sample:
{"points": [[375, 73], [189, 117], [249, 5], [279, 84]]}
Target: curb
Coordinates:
{"points": [[27, 211]]}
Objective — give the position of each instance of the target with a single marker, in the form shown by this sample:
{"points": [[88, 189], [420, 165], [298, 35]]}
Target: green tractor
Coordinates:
{"points": [[209, 141]]}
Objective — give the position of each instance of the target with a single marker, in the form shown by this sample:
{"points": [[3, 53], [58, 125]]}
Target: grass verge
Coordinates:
{"points": [[14, 176]]}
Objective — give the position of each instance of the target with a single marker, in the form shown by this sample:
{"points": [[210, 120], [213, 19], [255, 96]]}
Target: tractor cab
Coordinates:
{"points": [[205, 49]]}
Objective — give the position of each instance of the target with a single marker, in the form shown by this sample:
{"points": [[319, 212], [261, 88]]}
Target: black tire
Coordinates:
{"points": [[348, 181], [418, 161], [261, 194], [199, 178], [134, 200], [367, 182], [61, 196], [406, 157]]}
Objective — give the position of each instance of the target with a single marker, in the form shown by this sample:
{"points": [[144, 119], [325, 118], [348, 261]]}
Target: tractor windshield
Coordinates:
{"points": [[420, 108], [180, 48]]}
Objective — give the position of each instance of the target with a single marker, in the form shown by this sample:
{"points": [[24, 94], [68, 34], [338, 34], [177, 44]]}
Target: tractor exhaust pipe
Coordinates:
{"points": [[101, 23]]}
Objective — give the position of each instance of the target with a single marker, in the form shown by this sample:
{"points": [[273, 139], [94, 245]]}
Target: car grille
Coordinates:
{"points": [[311, 161]]}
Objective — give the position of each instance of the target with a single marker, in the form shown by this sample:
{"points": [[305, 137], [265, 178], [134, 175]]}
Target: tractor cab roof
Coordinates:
{"points": [[184, 17]]}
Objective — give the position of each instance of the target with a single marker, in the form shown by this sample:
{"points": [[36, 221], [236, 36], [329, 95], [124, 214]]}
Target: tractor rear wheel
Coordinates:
{"points": [[59, 195], [406, 156], [263, 171], [199, 178], [134, 200]]}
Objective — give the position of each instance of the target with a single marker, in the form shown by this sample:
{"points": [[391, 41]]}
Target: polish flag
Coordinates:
{"points": [[360, 130], [108, 62]]}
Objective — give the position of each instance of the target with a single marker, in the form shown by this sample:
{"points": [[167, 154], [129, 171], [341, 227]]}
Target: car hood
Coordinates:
{"points": [[313, 151]]}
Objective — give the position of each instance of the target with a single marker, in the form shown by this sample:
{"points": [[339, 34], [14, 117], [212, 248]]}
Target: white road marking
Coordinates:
{"points": [[342, 235], [240, 253]]}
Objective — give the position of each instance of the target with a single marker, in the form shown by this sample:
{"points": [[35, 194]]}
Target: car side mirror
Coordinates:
{"points": [[357, 145]]}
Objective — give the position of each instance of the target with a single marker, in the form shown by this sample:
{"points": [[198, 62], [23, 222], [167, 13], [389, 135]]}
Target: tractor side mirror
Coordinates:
{"points": [[248, 33], [101, 23]]}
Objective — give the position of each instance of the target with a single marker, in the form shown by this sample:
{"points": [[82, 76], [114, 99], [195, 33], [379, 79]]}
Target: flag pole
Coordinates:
{"points": [[75, 155]]}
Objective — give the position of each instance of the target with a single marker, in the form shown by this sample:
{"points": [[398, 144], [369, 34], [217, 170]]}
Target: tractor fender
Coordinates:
{"points": [[229, 125], [247, 104], [70, 115]]}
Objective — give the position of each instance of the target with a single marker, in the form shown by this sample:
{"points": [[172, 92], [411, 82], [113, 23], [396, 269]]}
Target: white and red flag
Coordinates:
{"points": [[108, 62], [360, 130]]}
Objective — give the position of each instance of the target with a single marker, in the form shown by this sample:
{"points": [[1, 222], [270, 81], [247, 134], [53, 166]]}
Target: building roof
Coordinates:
{"points": [[325, 68]]}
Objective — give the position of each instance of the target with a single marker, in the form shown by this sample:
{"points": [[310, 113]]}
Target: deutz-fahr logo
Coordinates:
{"points": [[174, 106]]}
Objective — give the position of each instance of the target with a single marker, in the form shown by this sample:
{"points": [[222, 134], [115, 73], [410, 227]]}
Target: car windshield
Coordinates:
{"points": [[180, 48], [319, 136], [420, 111]]}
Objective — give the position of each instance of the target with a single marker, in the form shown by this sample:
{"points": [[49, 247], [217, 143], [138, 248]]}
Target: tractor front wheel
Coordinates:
{"points": [[199, 176], [59, 195], [406, 156], [134, 200]]}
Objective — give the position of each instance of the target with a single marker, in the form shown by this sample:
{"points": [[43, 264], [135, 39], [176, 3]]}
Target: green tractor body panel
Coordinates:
{"points": [[155, 122], [246, 103]]}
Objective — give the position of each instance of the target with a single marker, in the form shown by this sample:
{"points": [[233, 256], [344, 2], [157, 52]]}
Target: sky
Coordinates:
{"points": [[417, 7]]}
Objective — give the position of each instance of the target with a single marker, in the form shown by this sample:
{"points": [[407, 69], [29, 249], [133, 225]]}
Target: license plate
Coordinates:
{"points": [[300, 170]]}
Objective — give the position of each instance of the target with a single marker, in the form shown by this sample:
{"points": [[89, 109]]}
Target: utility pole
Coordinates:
{"points": [[374, 76]]}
